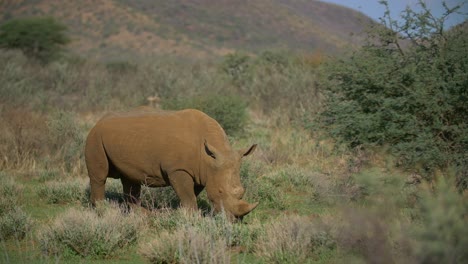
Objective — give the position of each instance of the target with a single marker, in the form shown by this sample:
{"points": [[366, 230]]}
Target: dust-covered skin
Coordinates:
{"points": [[185, 149]]}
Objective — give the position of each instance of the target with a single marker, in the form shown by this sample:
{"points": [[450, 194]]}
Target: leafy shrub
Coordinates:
{"points": [[41, 38], [88, 234], [412, 99], [229, 111]]}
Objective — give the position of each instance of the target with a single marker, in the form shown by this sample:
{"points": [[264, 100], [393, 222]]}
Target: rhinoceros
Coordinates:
{"points": [[185, 149]]}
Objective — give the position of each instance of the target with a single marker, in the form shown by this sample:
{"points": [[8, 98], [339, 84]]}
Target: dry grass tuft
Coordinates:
{"points": [[89, 233], [293, 239], [65, 191], [14, 222], [23, 138], [184, 236], [186, 245]]}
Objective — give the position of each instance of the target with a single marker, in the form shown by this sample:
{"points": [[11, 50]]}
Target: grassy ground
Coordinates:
{"points": [[284, 189], [319, 202], [312, 192]]}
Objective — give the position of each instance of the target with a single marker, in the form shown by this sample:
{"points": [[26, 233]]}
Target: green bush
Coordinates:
{"points": [[411, 99], [88, 233], [229, 111], [41, 38], [441, 233]]}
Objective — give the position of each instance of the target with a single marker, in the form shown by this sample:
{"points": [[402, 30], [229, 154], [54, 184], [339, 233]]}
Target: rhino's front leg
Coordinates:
{"points": [[183, 185]]}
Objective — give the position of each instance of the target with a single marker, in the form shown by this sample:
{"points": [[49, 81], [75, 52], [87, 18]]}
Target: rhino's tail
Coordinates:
{"points": [[97, 165]]}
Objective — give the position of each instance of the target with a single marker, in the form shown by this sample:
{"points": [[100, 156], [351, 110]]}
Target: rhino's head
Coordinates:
{"points": [[223, 184]]}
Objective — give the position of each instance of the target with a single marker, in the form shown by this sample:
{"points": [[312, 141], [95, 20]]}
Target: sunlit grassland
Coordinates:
{"points": [[320, 202]]}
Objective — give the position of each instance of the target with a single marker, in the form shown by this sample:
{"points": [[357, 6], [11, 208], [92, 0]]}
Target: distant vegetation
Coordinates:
{"points": [[41, 38], [361, 158]]}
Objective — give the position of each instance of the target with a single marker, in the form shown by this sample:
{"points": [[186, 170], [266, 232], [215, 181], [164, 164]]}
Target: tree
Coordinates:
{"points": [[406, 89], [41, 38]]}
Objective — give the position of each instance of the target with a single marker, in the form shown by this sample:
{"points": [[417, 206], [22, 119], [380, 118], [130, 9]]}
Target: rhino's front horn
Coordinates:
{"points": [[242, 208]]}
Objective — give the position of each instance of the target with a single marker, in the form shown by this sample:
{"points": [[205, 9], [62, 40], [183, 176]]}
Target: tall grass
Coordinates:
{"points": [[23, 138], [32, 140], [87, 85]]}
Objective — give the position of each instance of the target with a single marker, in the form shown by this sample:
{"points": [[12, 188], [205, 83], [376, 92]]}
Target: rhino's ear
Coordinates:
{"points": [[249, 151], [210, 150]]}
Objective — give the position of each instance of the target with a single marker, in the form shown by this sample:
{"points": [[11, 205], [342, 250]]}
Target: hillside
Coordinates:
{"points": [[200, 28]]}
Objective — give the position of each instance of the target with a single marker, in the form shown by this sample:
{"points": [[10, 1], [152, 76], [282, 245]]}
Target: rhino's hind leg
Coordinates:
{"points": [[198, 189], [132, 191], [98, 168], [183, 185], [98, 191]]}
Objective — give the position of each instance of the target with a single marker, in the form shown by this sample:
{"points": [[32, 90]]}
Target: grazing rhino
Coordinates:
{"points": [[186, 149]]}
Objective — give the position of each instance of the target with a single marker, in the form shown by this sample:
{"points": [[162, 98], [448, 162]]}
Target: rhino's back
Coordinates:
{"points": [[143, 142], [168, 131]]}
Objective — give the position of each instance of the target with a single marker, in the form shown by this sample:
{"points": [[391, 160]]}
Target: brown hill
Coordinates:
{"points": [[196, 28]]}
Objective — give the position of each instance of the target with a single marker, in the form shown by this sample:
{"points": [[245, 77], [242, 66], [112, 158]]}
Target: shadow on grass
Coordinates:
{"points": [[152, 199]]}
